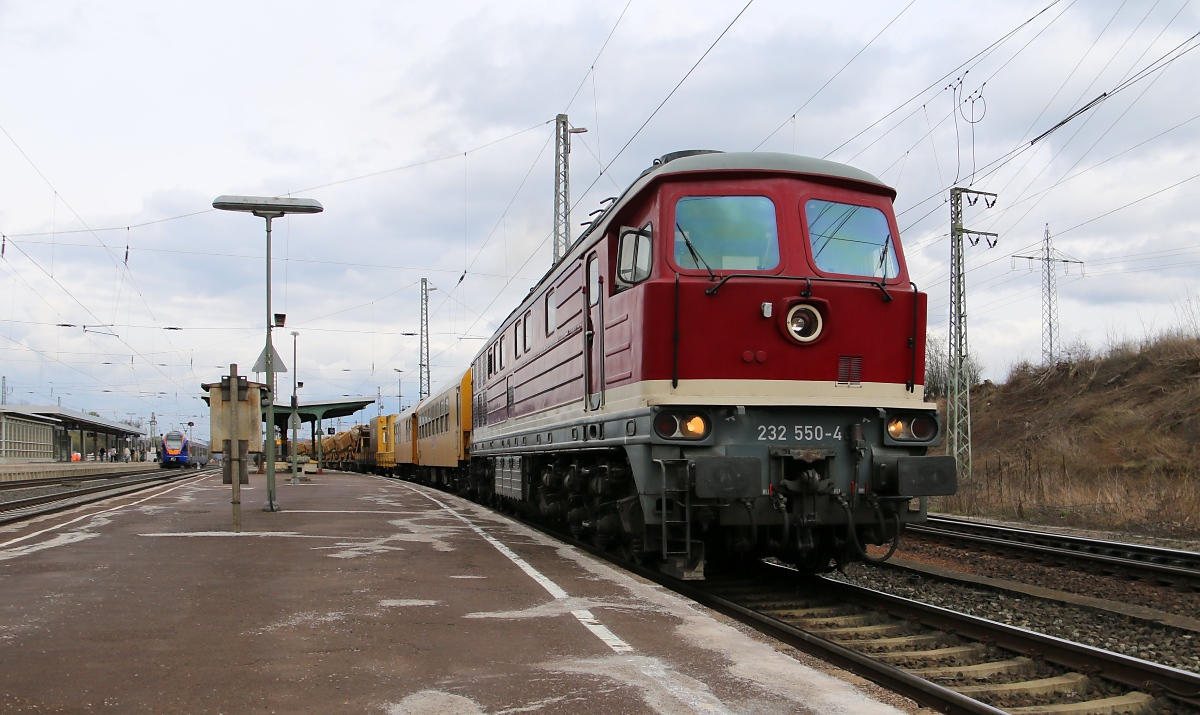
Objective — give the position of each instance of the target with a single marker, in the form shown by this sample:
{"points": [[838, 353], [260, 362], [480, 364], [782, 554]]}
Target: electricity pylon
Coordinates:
{"points": [[1051, 345], [958, 400]]}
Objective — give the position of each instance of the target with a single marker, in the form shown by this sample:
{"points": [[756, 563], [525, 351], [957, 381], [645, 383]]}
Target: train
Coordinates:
{"points": [[727, 363], [176, 449]]}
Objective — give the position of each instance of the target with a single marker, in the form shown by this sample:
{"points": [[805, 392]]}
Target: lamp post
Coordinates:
{"points": [[269, 208], [399, 392], [294, 420]]}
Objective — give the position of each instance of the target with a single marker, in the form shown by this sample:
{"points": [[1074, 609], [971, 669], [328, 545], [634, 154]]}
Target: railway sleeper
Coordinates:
{"points": [[980, 671], [1058, 685], [806, 614], [958, 653], [850, 620], [885, 645], [1128, 704], [881, 630]]}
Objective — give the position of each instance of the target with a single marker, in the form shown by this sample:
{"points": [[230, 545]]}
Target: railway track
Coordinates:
{"points": [[18, 509], [963, 664], [1168, 566], [944, 660], [55, 481]]}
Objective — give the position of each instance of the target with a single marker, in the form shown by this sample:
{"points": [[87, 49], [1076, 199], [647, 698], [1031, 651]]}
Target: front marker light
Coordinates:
{"points": [[895, 428], [666, 425], [923, 428]]}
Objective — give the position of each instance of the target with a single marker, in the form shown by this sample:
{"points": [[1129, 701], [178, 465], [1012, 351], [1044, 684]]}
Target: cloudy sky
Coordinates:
{"points": [[426, 130]]}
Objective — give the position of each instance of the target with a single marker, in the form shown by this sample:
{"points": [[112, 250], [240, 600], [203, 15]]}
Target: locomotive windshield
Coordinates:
{"points": [[853, 240], [736, 233], [174, 440]]}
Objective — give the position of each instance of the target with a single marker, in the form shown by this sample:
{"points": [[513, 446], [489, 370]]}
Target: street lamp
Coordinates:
{"points": [[269, 208], [295, 420], [399, 400]]}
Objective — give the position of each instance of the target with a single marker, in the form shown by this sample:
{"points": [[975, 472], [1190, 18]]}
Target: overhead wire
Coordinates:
{"points": [[835, 75]]}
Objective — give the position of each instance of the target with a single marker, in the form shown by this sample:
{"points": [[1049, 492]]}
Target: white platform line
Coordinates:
{"points": [[583, 616], [610, 639]]}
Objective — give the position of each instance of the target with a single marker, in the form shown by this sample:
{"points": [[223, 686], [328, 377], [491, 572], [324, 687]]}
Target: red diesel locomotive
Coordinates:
{"points": [[730, 359]]}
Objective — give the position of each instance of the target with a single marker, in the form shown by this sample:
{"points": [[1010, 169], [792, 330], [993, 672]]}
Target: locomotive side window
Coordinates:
{"points": [[848, 239], [634, 256], [500, 350], [737, 233], [551, 312], [593, 280], [518, 340], [525, 330]]}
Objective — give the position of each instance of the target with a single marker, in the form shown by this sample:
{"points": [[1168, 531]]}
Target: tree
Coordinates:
{"points": [[937, 367]]}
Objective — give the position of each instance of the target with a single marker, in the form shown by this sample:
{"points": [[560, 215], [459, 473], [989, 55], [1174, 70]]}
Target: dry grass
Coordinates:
{"points": [[1103, 441]]}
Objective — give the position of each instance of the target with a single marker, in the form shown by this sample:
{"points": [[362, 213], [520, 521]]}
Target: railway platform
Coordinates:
{"points": [[363, 595], [54, 470]]}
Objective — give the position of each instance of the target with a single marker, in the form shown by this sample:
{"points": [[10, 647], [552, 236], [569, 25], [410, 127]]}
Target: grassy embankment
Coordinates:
{"points": [[1110, 442]]}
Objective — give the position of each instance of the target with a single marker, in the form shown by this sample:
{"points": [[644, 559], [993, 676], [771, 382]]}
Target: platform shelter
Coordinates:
{"points": [[33, 433]]}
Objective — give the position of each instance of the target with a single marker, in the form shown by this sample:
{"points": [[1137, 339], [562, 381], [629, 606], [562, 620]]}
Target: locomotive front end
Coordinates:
{"points": [[729, 362], [793, 423]]}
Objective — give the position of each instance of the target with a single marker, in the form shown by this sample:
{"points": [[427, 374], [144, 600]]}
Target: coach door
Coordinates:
{"points": [[594, 334]]}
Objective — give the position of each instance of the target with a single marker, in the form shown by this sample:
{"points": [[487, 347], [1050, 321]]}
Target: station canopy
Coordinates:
{"points": [[310, 411], [72, 420]]}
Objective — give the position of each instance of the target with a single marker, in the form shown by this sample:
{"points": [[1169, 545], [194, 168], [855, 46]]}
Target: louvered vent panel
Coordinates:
{"points": [[850, 370]]}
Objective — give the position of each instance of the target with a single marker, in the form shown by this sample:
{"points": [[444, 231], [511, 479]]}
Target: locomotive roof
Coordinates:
{"points": [[761, 161]]}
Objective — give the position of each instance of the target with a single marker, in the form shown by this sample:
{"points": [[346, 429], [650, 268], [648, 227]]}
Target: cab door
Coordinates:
{"points": [[594, 333]]}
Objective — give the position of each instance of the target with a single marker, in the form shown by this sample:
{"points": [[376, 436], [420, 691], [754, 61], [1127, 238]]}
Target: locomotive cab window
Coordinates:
{"points": [[851, 240], [732, 233], [634, 256]]}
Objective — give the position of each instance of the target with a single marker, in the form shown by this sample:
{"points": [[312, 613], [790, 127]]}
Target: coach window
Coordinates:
{"points": [[525, 334], [634, 255], [852, 240], [731, 233], [551, 312]]}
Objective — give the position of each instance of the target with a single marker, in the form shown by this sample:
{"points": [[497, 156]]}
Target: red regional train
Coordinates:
{"points": [[729, 360]]}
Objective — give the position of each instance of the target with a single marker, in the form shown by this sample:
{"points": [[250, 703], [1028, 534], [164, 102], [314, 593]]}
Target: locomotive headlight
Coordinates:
{"points": [[693, 427], [895, 428], [686, 426], [804, 323]]}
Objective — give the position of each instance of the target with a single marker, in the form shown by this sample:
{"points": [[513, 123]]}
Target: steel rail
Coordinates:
{"points": [[1135, 673], [85, 477], [101, 491], [1173, 563]]}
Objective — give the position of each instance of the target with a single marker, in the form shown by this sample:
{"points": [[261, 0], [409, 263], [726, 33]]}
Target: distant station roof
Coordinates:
{"points": [[310, 411], [72, 420]]}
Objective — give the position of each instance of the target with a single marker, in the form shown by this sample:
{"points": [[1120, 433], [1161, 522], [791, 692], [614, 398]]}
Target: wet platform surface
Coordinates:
{"points": [[364, 595]]}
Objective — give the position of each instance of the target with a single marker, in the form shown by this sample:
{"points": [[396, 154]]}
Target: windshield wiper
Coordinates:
{"points": [[695, 256]]}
